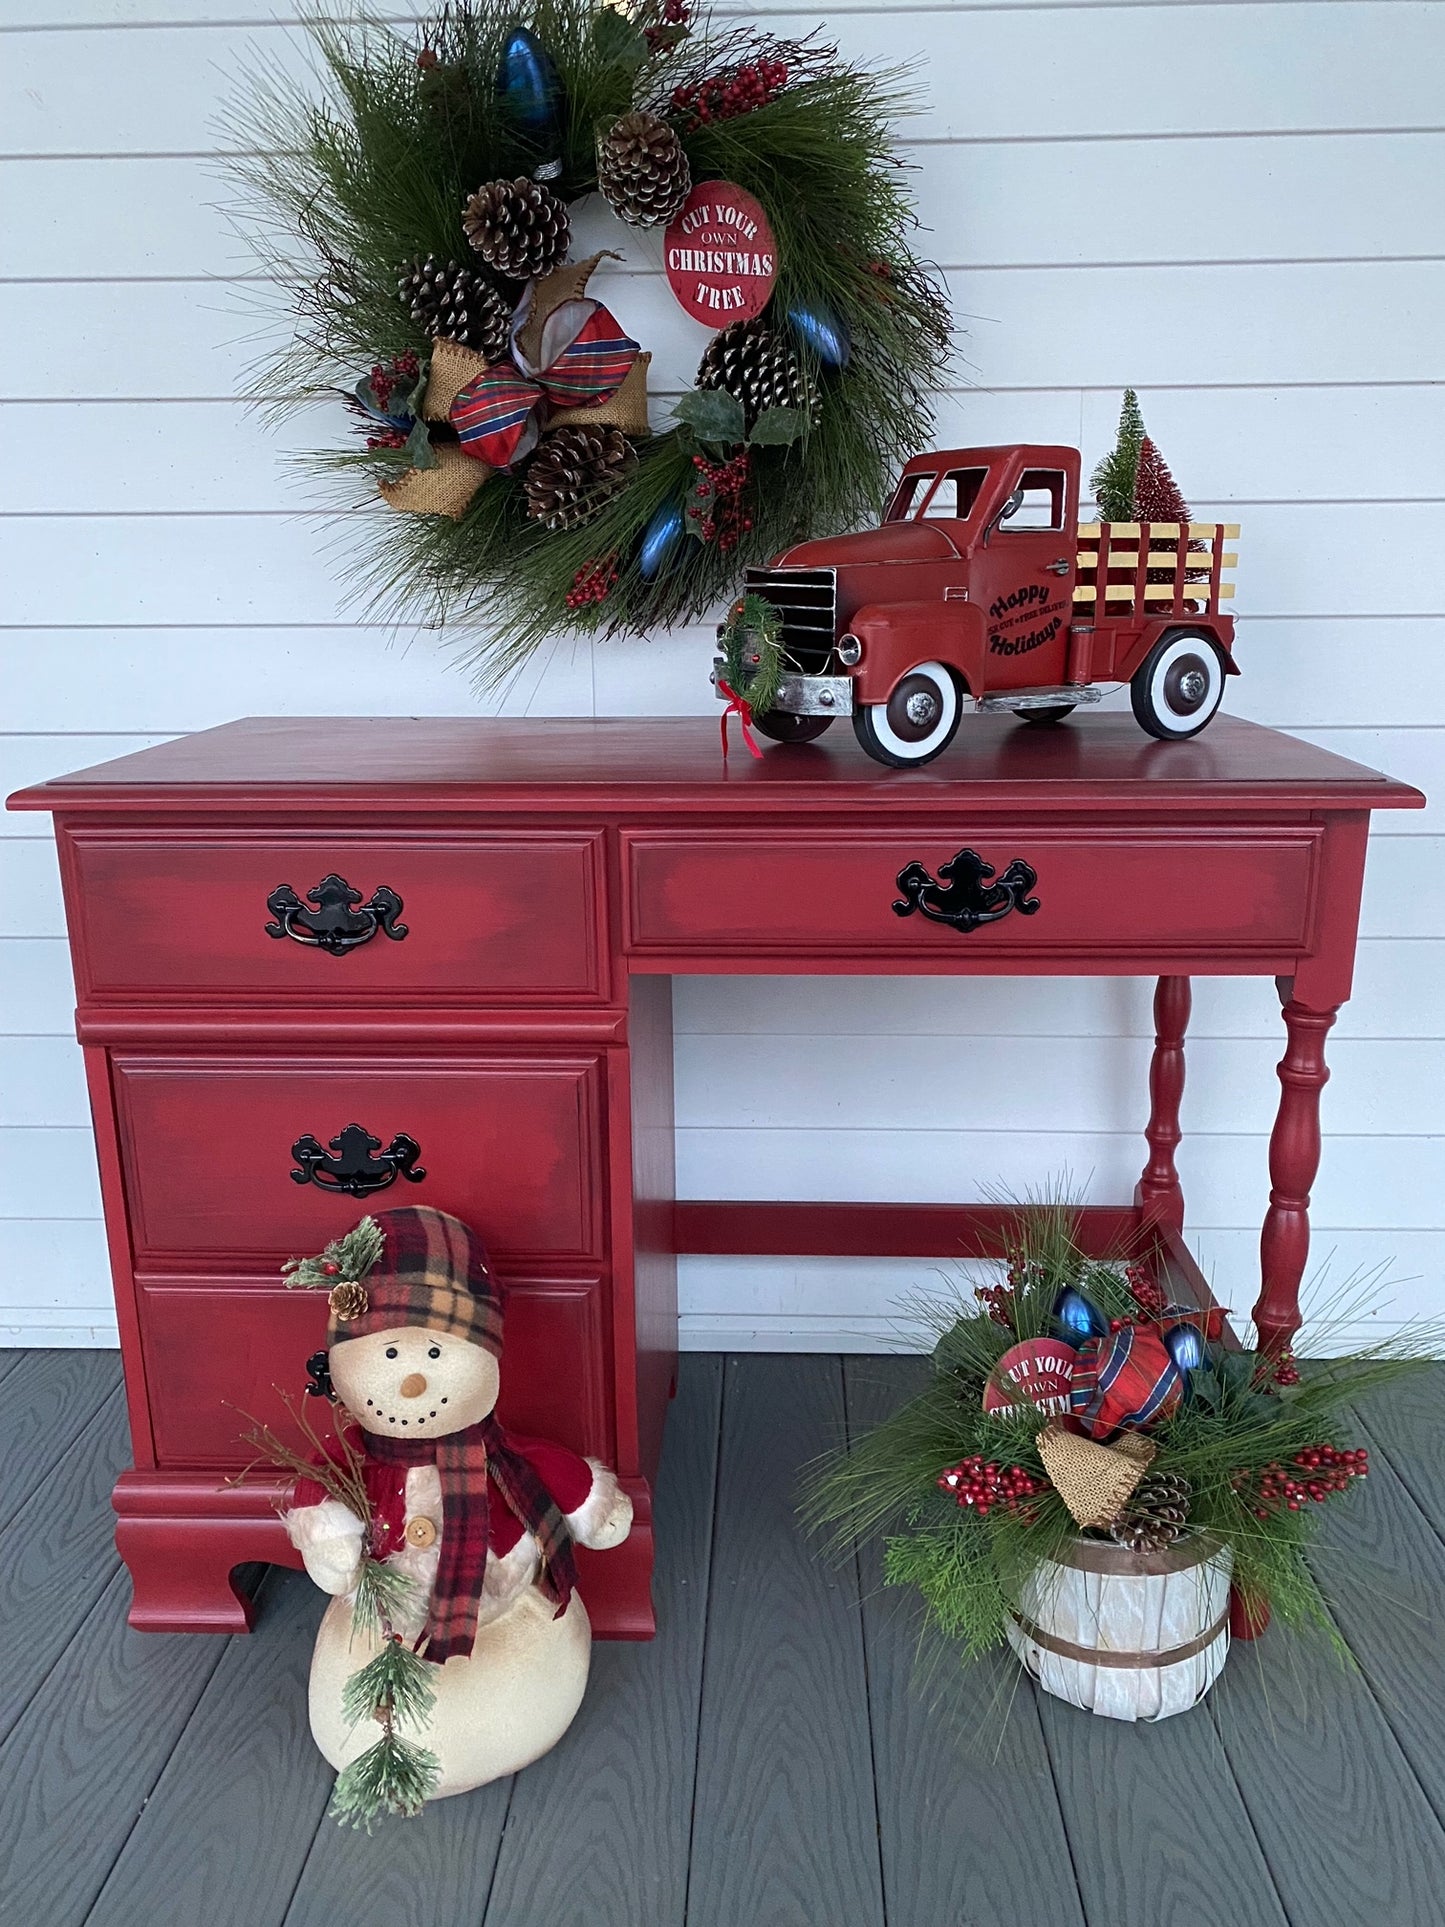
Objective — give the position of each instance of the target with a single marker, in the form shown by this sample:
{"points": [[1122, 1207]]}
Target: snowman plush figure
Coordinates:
{"points": [[480, 1521]]}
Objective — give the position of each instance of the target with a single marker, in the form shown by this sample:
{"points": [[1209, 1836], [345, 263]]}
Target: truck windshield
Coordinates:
{"points": [[934, 497]]}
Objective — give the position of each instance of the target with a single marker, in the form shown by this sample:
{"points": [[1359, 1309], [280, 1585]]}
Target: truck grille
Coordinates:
{"points": [[807, 600]]}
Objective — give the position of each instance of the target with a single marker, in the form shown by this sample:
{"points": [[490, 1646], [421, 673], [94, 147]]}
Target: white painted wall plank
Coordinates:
{"points": [[1295, 560], [1225, 445], [1322, 196], [193, 677], [1097, 71], [1023, 327]]}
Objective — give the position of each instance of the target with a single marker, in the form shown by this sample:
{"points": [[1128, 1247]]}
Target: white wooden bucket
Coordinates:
{"points": [[1130, 1635]]}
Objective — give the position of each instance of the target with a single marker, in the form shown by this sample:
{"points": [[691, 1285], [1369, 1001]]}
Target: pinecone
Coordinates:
{"points": [[1156, 1514], [642, 170], [758, 368], [454, 303], [575, 472], [519, 227]]}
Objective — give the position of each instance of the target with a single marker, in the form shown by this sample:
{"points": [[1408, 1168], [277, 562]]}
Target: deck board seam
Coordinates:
{"points": [[856, 1564], [706, 1591], [481, 1920]]}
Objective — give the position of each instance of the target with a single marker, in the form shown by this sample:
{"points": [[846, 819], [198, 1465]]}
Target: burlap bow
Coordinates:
{"points": [[570, 363]]}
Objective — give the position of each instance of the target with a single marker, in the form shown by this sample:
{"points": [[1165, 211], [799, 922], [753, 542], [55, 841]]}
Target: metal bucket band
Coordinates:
{"points": [[1096, 1555], [1095, 1656]]}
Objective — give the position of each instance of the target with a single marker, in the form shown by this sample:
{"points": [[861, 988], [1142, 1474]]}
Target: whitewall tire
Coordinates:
{"points": [[916, 723], [1178, 686]]}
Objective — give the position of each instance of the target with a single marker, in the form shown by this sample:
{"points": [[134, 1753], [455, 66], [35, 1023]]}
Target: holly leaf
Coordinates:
{"points": [[616, 42], [418, 394], [713, 415], [419, 451], [777, 427]]}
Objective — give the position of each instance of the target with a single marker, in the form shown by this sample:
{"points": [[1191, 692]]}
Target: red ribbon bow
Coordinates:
{"points": [[584, 358], [740, 707]]}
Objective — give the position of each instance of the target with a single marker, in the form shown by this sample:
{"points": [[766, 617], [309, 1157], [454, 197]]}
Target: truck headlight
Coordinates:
{"points": [[850, 651]]}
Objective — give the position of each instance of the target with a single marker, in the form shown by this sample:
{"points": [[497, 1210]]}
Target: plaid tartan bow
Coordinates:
{"points": [[1124, 1379], [584, 358]]}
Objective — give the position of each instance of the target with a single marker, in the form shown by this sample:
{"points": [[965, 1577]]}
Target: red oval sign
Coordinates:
{"points": [[1042, 1369], [720, 255]]}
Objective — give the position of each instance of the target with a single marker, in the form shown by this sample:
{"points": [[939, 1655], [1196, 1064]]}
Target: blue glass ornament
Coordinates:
{"points": [[1078, 1317], [1185, 1345], [530, 86], [825, 333], [660, 540]]}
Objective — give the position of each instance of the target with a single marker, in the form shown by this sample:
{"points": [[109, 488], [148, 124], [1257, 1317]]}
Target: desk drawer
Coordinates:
{"points": [[215, 1351], [1102, 892], [507, 1143], [515, 918]]}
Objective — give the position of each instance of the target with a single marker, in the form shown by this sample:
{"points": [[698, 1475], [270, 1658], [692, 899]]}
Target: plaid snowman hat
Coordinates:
{"points": [[414, 1266]]}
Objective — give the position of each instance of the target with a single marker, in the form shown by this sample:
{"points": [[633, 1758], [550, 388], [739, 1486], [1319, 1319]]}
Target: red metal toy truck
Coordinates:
{"points": [[981, 585]]}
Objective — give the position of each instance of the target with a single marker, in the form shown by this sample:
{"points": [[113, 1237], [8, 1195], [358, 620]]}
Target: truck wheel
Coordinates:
{"points": [[916, 723], [782, 726], [1055, 713], [1177, 688]]}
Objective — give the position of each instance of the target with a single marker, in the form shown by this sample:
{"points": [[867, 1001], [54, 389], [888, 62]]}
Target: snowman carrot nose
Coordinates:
{"points": [[413, 1385]]}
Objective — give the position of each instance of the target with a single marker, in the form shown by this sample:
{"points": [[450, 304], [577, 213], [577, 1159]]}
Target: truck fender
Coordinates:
{"points": [[1220, 628], [898, 635]]}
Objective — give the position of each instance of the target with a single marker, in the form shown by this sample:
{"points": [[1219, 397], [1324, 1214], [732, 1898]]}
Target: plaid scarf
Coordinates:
{"points": [[463, 1460]]}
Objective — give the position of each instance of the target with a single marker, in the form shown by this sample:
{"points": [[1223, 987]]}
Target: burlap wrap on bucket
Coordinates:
{"points": [[1094, 1481]]}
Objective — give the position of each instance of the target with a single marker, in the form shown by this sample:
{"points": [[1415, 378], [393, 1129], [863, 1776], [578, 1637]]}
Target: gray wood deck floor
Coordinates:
{"points": [[767, 1762]]}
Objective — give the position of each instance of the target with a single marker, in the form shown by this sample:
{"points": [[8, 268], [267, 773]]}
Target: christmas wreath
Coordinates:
{"points": [[502, 410], [1075, 1407]]}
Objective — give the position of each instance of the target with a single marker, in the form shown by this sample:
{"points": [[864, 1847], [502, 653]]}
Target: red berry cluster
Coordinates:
{"points": [[385, 380], [1286, 1371], [1313, 1474], [387, 438], [718, 499], [998, 1302], [1148, 1295], [984, 1486], [726, 95], [675, 21], [593, 582]]}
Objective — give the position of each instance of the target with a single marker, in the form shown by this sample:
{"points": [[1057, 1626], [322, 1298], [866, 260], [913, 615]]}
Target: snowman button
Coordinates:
{"points": [[421, 1532]]}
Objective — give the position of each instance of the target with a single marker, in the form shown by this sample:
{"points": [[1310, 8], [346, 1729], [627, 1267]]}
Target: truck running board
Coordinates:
{"points": [[1070, 693]]}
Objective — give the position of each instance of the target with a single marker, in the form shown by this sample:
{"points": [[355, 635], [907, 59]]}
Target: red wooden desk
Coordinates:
{"points": [[511, 1017]]}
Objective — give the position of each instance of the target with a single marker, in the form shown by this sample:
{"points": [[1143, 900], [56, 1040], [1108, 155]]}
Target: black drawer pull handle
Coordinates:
{"points": [[962, 894], [340, 921], [359, 1166]]}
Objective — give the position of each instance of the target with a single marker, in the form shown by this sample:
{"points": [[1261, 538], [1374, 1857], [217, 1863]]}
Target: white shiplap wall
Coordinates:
{"points": [[1235, 207]]}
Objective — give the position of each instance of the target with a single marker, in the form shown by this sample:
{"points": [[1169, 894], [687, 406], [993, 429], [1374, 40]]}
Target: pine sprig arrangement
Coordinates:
{"points": [[346, 1260], [373, 176], [1228, 1445], [391, 1777], [395, 1775]]}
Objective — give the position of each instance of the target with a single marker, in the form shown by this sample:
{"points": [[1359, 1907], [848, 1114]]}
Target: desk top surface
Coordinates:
{"points": [[672, 765]]}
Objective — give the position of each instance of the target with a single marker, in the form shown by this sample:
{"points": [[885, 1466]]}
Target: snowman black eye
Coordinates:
{"points": [[391, 1351], [434, 1351]]}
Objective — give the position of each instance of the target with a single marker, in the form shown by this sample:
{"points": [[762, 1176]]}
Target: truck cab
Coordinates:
{"points": [[981, 588]]}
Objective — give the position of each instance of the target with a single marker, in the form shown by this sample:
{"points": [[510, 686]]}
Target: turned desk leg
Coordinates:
{"points": [[1294, 1158], [1159, 1192]]}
